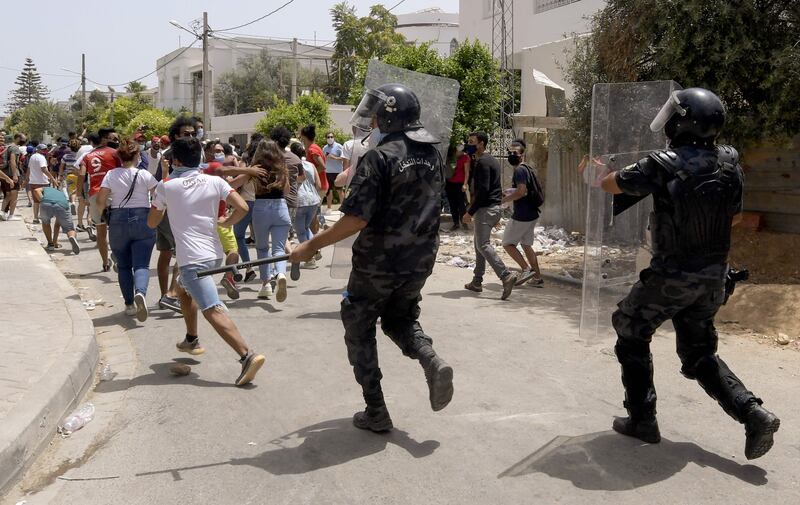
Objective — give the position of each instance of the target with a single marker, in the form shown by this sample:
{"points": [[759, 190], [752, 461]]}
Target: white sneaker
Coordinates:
{"points": [[309, 265], [3, 216], [140, 305], [130, 310], [13, 218], [280, 293], [266, 291]]}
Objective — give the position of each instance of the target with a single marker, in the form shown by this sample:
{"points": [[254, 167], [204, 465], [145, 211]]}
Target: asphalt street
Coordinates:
{"points": [[529, 422]]}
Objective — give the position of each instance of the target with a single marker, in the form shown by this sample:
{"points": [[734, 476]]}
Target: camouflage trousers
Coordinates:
{"points": [[396, 302], [690, 300]]}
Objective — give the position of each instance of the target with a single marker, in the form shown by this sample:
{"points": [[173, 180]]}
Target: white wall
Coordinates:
{"points": [[547, 58], [530, 28]]}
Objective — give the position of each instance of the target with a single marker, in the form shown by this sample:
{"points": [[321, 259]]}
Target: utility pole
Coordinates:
{"points": [[83, 86], [206, 83], [294, 70]]}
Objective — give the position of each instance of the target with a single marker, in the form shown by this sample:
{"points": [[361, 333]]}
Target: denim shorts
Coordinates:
{"points": [[203, 290], [50, 211]]}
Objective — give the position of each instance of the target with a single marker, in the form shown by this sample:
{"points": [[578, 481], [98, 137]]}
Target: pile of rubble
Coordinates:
{"points": [[456, 247]]}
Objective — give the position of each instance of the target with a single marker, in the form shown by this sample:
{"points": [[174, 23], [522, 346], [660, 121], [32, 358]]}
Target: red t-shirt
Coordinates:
{"points": [[311, 153], [458, 174], [99, 162], [213, 169]]}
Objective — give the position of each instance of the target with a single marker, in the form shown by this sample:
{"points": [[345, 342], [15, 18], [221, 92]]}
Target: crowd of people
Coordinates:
{"points": [[194, 199]]}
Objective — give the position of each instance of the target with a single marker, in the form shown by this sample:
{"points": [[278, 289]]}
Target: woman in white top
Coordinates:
{"points": [[125, 192], [308, 199]]}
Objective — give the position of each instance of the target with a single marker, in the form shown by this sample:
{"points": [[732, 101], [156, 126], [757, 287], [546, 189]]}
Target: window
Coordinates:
{"points": [[546, 5]]}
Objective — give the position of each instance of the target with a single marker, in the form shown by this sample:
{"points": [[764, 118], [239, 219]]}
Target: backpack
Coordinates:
{"points": [[535, 192]]}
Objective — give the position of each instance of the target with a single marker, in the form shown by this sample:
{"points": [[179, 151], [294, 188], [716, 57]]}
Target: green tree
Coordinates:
{"points": [[97, 97], [29, 88], [252, 87], [359, 40], [135, 87], [39, 119], [471, 65], [311, 108], [747, 52], [150, 122], [124, 108]]}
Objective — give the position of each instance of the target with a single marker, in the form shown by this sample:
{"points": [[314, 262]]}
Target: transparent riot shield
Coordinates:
{"points": [[617, 247], [437, 96]]}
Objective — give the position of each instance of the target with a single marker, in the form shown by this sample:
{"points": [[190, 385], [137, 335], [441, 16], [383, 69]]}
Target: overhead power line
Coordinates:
{"points": [[398, 4], [268, 14], [148, 74]]}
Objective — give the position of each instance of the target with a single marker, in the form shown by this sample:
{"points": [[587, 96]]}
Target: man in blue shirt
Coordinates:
{"points": [[334, 164]]}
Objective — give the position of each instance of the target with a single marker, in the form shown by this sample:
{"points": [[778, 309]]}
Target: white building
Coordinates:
{"points": [[180, 84], [432, 25], [543, 36]]}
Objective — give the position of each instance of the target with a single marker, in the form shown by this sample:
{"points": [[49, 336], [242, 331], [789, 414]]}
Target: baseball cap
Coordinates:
{"points": [[41, 147]]}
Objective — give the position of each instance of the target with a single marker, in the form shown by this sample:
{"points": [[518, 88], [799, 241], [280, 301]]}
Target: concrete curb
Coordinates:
{"points": [[29, 428]]}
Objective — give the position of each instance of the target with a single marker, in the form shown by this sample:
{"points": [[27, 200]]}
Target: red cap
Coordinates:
{"points": [[164, 140], [138, 136]]}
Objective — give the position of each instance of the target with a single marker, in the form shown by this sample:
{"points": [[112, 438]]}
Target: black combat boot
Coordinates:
{"points": [[759, 425], [374, 419], [641, 423], [439, 376]]}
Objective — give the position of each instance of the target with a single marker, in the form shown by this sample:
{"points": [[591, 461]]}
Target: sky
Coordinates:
{"points": [[123, 40]]}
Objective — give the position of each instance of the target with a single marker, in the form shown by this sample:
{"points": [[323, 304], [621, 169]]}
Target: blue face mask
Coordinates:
{"points": [[219, 157], [200, 133], [378, 135], [181, 171]]}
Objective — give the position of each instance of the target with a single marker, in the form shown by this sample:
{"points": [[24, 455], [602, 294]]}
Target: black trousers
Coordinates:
{"points": [[396, 302], [457, 200], [691, 300]]}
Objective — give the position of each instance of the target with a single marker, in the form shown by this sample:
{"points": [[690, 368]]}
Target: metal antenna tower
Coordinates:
{"points": [[503, 53]]}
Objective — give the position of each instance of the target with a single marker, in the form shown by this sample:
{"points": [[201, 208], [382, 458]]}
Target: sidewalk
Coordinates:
{"points": [[48, 354]]}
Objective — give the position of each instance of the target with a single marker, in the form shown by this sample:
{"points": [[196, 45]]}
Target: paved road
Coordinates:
{"points": [[529, 422]]}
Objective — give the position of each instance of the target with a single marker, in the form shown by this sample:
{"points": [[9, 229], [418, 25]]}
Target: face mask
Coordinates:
{"points": [[112, 144], [514, 159], [180, 171], [330, 142], [378, 135], [219, 157], [203, 166], [470, 149], [200, 133]]}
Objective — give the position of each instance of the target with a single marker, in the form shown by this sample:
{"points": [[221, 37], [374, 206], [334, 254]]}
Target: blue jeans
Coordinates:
{"points": [[271, 223], [240, 228], [132, 242], [305, 215], [203, 290]]}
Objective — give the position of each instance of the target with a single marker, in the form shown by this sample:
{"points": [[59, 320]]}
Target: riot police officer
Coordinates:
{"points": [[394, 202], [697, 194]]}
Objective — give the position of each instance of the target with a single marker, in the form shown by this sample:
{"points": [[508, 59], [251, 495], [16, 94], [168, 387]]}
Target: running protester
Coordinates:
{"points": [[95, 165], [13, 170], [125, 194], [308, 199], [193, 199], [39, 176], [54, 205]]}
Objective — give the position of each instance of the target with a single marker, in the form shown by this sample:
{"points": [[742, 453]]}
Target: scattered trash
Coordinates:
{"points": [[106, 374], [77, 420], [89, 305], [783, 339], [251, 443], [457, 261], [23, 502], [78, 479]]}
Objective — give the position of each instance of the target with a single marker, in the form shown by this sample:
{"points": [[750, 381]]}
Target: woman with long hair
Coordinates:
{"points": [[125, 194], [271, 217]]}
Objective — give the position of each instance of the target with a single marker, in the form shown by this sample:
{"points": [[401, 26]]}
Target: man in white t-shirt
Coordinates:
{"points": [[192, 199], [154, 156], [352, 151], [39, 176]]}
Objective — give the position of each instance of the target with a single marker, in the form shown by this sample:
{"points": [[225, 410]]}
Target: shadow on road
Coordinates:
{"points": [[326, 290], [161, 376], [321, 315], [608, 461], [325, 444]]}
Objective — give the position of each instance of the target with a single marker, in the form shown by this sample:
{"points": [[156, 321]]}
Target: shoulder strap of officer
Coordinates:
{"points": [[669, 161], [727, 157]]}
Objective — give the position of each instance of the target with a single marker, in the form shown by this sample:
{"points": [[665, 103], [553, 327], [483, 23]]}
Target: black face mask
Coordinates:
{"points": [[514, 159], [112, 144], [470, 149]]}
